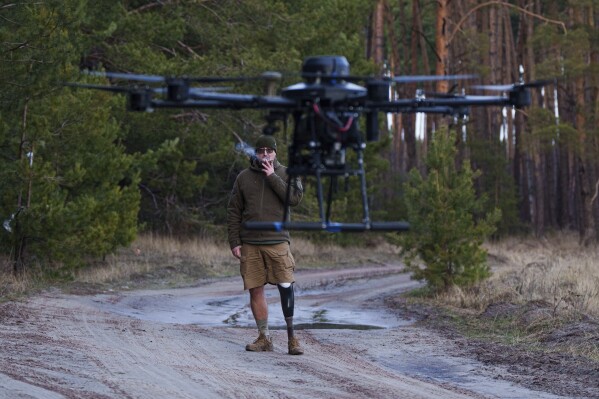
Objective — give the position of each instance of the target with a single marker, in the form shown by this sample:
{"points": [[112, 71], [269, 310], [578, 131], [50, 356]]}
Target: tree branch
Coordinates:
{"points": [[189, 49], [427, 41], [148, 6], [502, 3]]}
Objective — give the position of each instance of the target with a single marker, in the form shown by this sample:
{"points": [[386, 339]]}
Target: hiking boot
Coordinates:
{"points": [[262, 344], [294, 347]]}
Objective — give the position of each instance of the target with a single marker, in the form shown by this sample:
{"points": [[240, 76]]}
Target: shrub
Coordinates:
{"points": [[444, 246]]}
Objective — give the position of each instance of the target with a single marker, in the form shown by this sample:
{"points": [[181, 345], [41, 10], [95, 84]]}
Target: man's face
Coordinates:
{"points": [[266, 154]]}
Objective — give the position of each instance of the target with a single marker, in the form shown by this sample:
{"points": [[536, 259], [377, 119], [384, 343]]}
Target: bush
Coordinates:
{"points": [[448, 228]]}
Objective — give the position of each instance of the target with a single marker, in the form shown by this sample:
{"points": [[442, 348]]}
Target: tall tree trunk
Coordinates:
{"points": [[589, 145], [378, 34], [395, 67], [410, 137], [538, 183], [19, 239], [587, 225], [441, 44], [509, 76], [421, 147]]}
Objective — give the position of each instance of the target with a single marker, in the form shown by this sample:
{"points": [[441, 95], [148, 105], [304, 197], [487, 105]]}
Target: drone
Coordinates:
{"points": [[325, 109]]}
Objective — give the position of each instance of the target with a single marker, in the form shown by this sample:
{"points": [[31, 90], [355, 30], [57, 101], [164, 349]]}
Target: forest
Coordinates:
{"points": [[81, 176]]}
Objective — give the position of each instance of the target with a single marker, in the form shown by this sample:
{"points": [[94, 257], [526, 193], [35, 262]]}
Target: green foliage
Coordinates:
{"points": [[447, 227], [187, 160], [68, 189], [496, 183], [79, 197], [97, 167], [548, 132]]}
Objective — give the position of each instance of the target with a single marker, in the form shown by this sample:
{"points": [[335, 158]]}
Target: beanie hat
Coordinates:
{"points": [[266, 141]]}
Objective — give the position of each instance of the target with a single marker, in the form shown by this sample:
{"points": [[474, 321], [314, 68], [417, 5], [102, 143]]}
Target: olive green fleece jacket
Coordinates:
{"points": [[259, 198]]}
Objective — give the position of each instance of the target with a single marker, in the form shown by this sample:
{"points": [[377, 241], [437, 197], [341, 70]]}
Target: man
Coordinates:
{"points": [[259, 195]]}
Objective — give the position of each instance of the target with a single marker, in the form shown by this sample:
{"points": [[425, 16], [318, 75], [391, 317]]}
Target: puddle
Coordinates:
{"points": [[310, 314], [314, 309], [334, 326]]}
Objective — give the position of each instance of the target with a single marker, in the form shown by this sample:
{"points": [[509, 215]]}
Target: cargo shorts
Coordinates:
{"points": [[266, 264]]}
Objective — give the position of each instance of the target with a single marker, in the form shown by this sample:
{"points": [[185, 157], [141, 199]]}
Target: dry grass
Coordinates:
{"points": [[312, 254], [554, 270], [173, 262], [12, 286], [157, 261], [543, 297]]}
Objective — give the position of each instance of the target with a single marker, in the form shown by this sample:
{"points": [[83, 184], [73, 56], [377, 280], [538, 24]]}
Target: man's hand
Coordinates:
{"points": [[268, 167], [236, 252]]}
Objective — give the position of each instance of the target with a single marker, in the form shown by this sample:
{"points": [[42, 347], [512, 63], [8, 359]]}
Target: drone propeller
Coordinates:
{"points": [[396, 79], [128, 76], [177, 89], [114, 89], [138, 98], [189, 79], [514, 86], [430, 78], [193, 91], [450, 93]]}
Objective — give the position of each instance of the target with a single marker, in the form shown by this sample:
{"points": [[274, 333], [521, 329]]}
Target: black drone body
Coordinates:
{"points": [[325, 110]]}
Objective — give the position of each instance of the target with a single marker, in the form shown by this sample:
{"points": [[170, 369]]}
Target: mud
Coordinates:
{"points": [[189, 343], [549, 365]]}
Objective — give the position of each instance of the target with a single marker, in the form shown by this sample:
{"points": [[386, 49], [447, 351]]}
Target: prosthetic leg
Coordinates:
{"points": [[287, 304]]}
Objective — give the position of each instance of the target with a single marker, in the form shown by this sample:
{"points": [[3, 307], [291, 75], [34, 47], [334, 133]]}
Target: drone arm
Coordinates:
{"points": [[518, 97], [454, 109], [237, 101], [216, 104], [469, 101], [453, 105]]}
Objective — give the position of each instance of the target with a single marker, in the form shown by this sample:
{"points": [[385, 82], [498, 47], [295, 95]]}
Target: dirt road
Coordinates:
{"points": [[189, 343]]}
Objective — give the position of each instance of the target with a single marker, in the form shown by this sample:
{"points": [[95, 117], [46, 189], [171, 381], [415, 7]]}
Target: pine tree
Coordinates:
{"points": [[447, 227], [69, 191]]}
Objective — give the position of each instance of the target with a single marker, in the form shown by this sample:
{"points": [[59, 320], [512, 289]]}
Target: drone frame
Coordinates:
{"points": [[325, 108]]}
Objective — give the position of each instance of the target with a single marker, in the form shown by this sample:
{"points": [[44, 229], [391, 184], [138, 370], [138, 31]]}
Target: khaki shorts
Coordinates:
{"points": [[262, 264]]}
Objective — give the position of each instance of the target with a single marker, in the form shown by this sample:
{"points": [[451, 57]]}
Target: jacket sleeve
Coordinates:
{"points": [[279, 186], [234, 211]]}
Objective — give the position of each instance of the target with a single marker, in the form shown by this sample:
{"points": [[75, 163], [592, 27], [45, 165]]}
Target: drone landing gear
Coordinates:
{"points": [[325, 223]]}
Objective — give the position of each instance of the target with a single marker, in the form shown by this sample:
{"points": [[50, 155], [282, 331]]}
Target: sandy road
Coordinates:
{"points": [[189, 343]]}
